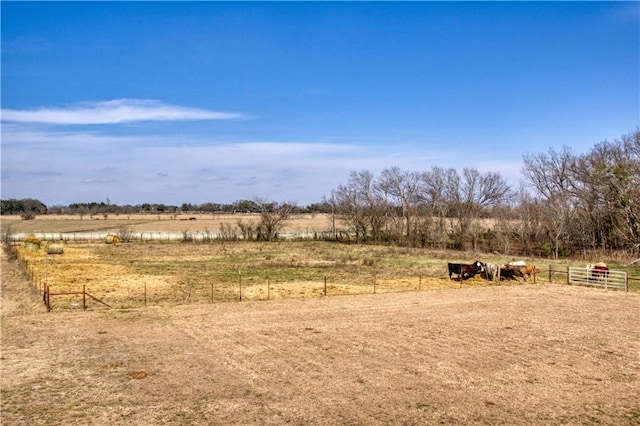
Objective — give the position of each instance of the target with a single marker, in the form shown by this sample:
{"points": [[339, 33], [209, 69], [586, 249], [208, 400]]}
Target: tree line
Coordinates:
{"points": [[566, 204], [29, 208]]}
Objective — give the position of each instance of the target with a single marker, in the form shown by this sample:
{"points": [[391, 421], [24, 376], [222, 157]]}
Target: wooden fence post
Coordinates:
{"points": [[325, 285], [240, 284], [145, 294], [374, 284], [48, 299], [626, 281], [568, 282], [84, 297], [550, 274]]}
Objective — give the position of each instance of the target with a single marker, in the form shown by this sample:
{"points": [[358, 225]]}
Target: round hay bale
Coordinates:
{"points": [[31, 242], [112, 239], [55, 249]]}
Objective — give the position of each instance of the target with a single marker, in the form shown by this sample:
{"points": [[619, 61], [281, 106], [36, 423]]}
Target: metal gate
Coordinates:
{"points": [[607, 279]]}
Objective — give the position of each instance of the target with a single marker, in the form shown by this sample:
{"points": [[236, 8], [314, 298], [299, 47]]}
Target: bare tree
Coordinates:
{"points": [[437, 194], [551, 177], [631, 145], [525, 224], [476, 192], [609, 195], [404, 188], [272, 216], [362, 206], [247, 229]]}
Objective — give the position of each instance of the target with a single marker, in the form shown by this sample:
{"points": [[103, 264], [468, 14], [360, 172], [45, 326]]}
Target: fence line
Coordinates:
{"points": [[207, 291], [582, 276], [154, 236], [27, 269], [47, 297], [195, 293]]}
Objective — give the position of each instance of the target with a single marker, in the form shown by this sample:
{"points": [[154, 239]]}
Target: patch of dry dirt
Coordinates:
{"points": [[477, 355]]}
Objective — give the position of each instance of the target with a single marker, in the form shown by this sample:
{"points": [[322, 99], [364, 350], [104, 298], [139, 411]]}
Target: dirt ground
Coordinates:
{"points": [[528, 354]]}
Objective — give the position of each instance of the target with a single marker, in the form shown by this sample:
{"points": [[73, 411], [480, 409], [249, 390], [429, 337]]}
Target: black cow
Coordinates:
{"points": [[507, 273], [465, 271]]}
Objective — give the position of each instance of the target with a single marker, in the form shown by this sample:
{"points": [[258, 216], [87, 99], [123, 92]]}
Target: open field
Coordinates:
{"points": [[126, 275], [524, 354], [158, 223], [144, 274]]}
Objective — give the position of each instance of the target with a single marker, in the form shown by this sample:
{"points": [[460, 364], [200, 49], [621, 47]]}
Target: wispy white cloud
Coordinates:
{"points": [[154, 168], [74, 166], [19, 134], [113, 112]]}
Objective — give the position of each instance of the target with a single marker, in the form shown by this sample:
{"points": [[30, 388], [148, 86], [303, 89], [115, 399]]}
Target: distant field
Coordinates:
{"points": [[159, 223]]}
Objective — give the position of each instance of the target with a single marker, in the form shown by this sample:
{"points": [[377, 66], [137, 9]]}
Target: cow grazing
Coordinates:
{"points": [[492, 271], [507, 273], [517, 269], [465, 271], [599, 271]]}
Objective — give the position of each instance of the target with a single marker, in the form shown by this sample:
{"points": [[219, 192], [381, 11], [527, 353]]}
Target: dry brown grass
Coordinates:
{"points": [[177, 273], [526, 354], [135, 274], [158, 223]]}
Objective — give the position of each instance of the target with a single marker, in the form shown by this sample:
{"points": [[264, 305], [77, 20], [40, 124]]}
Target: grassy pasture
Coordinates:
{"points": [[183, 273], [176, 273]]}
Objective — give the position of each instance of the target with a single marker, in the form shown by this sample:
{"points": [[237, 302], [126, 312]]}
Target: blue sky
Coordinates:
{"points": [[173, 102]]}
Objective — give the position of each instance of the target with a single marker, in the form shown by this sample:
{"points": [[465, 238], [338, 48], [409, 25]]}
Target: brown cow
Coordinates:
{"points": [[517, 269], [465, 271], [599, 271]]}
